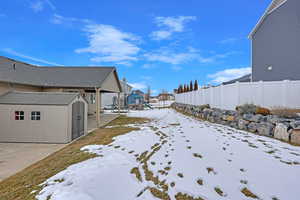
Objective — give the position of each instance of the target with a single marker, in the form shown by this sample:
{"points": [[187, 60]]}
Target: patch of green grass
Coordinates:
{"points": [[180, 175], [197, 155], [219, 191], [175, 124], [286, 162]]}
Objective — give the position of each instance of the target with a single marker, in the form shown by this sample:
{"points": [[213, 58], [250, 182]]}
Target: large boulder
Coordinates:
{"points": [[274, 119], [246, 109], [281, 132], [295, 124], [295, 136], [252, 127], [257, 118], [265, 129], [242, 124], [228, 118], [248, 117]]}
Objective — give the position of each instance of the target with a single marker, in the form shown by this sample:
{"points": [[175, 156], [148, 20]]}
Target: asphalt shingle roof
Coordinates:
{"points": [[84, 77], [246, 78], [38, 98]]}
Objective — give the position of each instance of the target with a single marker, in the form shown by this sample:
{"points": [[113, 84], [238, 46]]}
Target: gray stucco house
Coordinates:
{"points": [[276, 43]]}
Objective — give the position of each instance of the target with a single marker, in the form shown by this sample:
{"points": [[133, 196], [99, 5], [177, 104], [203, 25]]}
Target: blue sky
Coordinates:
{"points": [[159, 43]]}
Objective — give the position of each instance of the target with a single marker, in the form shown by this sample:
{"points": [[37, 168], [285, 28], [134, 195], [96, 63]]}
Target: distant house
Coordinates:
{"points": [[136, 98], [28, 91], [166, 97], [111, 99], [276, 43]]}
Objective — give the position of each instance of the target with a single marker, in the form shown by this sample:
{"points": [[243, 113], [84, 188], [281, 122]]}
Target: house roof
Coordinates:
{"points": [[38, 98], [74, 77], [246, 78], [272, 7]]}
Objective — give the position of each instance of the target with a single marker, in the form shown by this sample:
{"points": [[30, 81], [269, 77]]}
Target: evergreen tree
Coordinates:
{"points": [[196, 85], [191, 86]]}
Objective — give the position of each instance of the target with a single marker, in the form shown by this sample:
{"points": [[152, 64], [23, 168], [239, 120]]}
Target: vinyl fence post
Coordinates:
{"points": [[261, 93], [222, 96], [237, 93], [286, 84]]}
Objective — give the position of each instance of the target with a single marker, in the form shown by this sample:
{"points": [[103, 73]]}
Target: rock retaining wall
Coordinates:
{"points": [[285, 129]]}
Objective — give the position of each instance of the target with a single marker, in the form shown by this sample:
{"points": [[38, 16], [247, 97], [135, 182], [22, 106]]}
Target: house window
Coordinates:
{"points": [[19, 115], [36, 115]]}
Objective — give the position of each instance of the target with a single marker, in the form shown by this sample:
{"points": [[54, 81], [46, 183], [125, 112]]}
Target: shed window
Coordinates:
{"points": [[19, 115], [36, 115]]}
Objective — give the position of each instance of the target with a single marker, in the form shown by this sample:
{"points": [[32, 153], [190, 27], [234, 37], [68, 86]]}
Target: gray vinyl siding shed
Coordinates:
{"points": [[56, 119]]}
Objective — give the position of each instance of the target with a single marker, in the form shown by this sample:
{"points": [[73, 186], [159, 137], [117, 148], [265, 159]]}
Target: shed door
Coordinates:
{"points": [[77, 119]]}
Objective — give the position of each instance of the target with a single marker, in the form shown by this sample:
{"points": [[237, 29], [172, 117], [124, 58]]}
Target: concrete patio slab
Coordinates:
{"points": [[15, 157]]}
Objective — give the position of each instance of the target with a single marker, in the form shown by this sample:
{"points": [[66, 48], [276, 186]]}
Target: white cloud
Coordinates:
{"points": [[12, 52], [169, 26], [110, 44], [167, 55], [228, 41], [50, 4], [2, 15], [229, 74], [58, 19], [138, 86], [148, 66], [39, 5]]}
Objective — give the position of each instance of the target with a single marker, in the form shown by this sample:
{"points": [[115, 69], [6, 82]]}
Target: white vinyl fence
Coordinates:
{"points": [[266, 94]]}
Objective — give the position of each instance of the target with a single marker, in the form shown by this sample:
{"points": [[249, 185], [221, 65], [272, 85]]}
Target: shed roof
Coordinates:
{"points": [[74, 77], [246, 78], [38, 98], [273, 6]]}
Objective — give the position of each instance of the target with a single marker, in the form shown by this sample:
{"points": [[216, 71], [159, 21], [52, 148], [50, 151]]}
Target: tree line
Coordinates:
{"points": [[187, 87]]}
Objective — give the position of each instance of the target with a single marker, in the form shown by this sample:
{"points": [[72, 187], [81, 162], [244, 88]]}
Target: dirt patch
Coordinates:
{"points": [[181, 196], [211, 170], [159, 194], [197, 155], [137, 173], [180, 175], [248, 193], [200, 182], [219, 191]]}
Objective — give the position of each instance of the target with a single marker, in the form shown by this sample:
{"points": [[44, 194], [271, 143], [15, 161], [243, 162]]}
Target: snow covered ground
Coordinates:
{"points": [[161, 104], [177, 154]]}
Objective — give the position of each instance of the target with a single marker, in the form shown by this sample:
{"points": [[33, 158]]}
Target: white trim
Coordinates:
{"points": [[262, 19]]}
